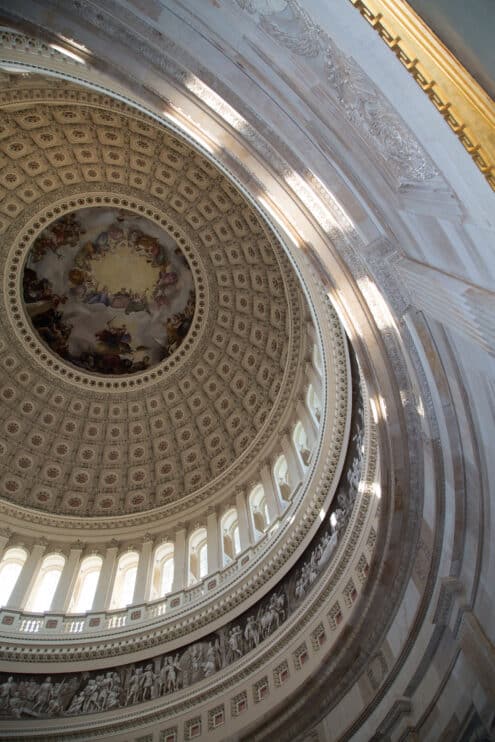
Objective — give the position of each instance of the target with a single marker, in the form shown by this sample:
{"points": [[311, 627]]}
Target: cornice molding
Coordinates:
{"points": [[465, 106]]}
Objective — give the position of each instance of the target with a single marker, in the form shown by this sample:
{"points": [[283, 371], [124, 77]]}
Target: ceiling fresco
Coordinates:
{"points": [[96, 289], [108, 290]]}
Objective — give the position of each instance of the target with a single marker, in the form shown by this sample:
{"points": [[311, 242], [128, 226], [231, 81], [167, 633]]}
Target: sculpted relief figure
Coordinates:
{"points": [[43, 696], [6, 691], [86, 693], [252, 632]]}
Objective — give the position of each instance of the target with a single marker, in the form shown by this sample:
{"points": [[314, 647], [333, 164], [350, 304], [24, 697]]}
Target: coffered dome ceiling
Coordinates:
{"points": [[153, 331], [157, 339]]}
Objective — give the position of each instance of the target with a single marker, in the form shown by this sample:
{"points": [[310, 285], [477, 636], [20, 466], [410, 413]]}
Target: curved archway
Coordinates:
{"points": [[198, 556], [86, 583], [231, 543], [10, 568], [43, 590], [163, 571], [125, 580]]}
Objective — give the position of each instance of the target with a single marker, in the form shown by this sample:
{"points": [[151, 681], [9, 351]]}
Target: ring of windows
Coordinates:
{"points": [[83, 589]]}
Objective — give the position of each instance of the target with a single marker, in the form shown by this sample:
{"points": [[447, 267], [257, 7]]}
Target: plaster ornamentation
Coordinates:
{"points": [[215, 434], [17, 42], [362, 103], [358, 632], [183, 621], [163, 675], [106, 416]]}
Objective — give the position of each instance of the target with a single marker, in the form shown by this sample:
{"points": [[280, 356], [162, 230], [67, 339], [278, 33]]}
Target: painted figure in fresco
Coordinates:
{"points": [[121, 299], [115, 338], [101, 244], [78, 241], [137, 303], [176, 327], [115, 232], [155, 253], [53, 330], [98, 296], [83, 256], [167, 277], [35, 289], [65, 231]]}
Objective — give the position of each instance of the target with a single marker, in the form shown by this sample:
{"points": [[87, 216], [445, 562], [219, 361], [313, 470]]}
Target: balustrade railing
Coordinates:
{"points": [[53, 625]]}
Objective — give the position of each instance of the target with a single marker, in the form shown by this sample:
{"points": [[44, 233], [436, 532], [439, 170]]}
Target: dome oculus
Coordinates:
{"points": [[108, 291]]}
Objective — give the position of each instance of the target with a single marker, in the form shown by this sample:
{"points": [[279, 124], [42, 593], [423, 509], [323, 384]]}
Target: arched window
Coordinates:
{"points": [[281, 474], [163, 571], [10, 568], [314, 404], [198, 556], [231, 542], [125, 580], [84, 591], [301, 443], [259, 510], [41, 596]]}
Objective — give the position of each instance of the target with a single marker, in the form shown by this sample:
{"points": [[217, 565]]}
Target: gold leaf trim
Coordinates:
{"points": [[463, 103]]}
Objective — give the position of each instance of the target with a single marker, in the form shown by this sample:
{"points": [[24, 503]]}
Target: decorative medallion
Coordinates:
{"points": [[108, 291]]}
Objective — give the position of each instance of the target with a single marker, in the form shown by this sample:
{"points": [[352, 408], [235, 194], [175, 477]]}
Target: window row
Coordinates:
{"points": [[265, 502]]}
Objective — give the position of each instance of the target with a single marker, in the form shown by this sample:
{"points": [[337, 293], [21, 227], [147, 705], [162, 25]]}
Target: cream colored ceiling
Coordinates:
{"points": [[75, 443]]}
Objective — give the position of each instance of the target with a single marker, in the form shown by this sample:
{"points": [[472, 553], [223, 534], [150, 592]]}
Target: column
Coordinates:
{"points": [[271, 496], [5, 534], [180, 559], [245, 535], [293, 463], [308, 422], [314, 380], [313, 376], [25, 581], [213, 541], [221, 559], [65, 586], [144, 572], [106, 579], [450, 300]]}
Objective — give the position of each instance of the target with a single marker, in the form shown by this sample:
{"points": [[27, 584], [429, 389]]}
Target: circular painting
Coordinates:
{"points": [[108, 291]]}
